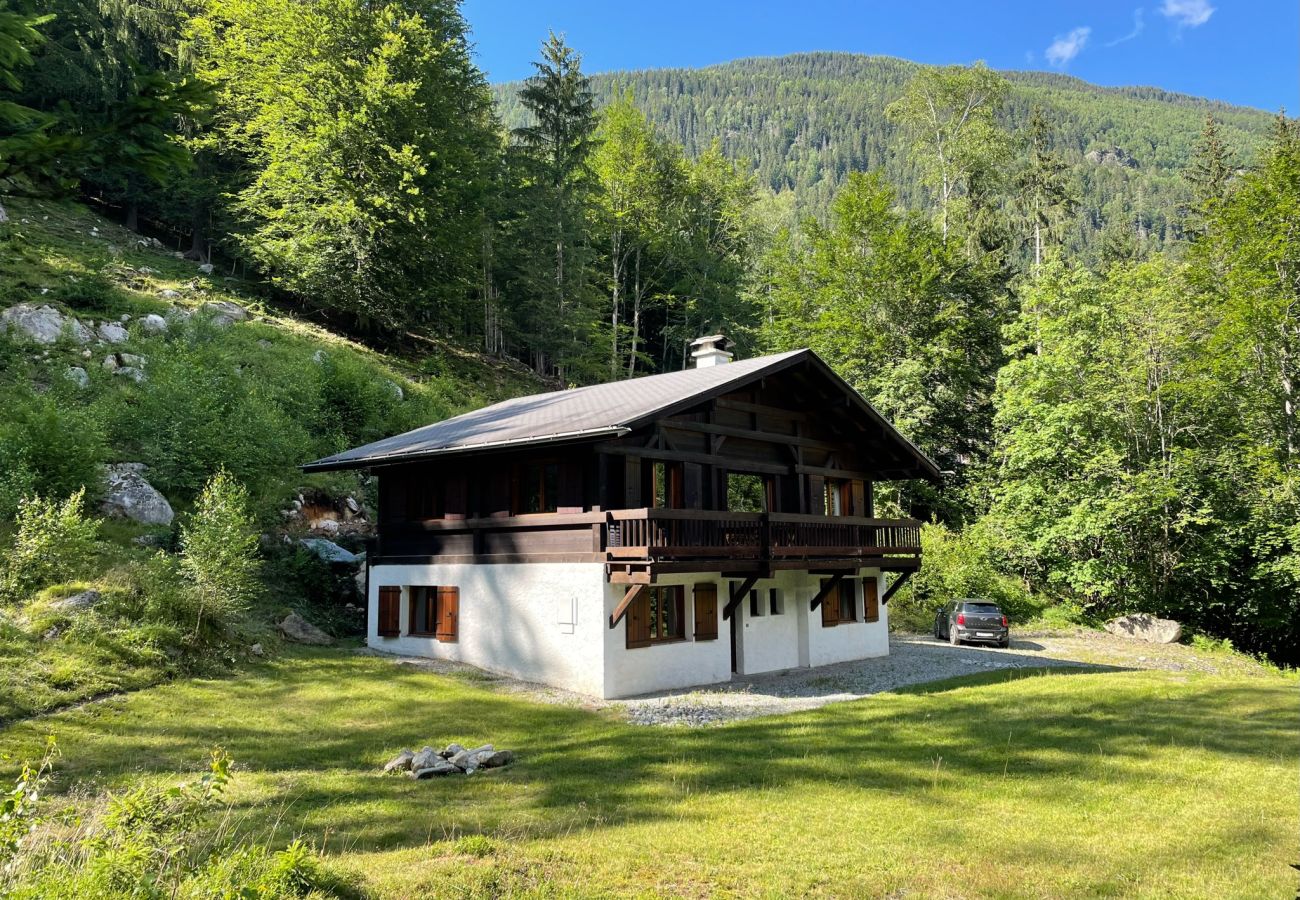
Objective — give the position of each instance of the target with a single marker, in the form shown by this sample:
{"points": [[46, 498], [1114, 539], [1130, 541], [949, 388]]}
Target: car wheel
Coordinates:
{"points": [[1004, 643], [952, 637]]}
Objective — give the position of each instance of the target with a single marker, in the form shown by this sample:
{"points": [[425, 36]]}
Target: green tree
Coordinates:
{"points": [[1208, 174], [53, 542], [1042, 190], [949, 115], [903, 315], [219, 552], [370, 138], [24, 147]]}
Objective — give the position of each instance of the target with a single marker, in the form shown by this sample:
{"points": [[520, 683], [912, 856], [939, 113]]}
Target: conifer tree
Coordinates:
{"points": [[1208, 174], [1042, 190]]}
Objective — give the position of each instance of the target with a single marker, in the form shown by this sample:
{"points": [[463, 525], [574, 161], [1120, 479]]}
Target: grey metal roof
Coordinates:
{"points": [[600, 410]]}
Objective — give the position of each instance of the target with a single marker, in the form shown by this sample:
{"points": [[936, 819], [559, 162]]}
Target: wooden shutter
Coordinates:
{"points": [[831, 606], [448, 613], [638, 621], [816, 495], [390, 611], [859, 492], [706, 612], [871, 598]]}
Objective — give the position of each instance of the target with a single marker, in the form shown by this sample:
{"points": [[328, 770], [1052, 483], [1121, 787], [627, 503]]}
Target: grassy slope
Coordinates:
{"points": [[1121, 783], [63, 254]]}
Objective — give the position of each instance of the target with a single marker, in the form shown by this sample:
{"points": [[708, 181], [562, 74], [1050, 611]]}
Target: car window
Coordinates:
{"points": [[986, 609]]}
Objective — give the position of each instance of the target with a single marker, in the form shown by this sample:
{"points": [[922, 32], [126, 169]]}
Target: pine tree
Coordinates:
{"points": [[1042, 188], [23, 144], [1208, 174]]}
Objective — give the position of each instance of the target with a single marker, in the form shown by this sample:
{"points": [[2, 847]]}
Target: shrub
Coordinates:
{"points": [[47, 447], [148, 842], [219, 552], [53, 543]]}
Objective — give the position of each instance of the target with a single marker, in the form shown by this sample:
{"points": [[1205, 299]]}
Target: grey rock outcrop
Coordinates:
{"points": [[329, 551], [77, 602], [112, 332], [79, 375], [1111, 156], [42, 324], [153, 324], [224, 313], [1145, 627], [127, 495], [298, 630]]}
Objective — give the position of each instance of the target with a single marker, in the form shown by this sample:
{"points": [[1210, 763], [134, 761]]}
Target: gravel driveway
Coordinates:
{"points": [[912, 659]]}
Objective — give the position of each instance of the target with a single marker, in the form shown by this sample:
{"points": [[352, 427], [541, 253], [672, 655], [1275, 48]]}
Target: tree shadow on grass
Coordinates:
{"points": [[310, 731]]}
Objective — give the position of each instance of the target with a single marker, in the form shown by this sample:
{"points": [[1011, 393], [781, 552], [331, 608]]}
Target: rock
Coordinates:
{"points": [[1145, 627], [169, 294], [153, 324], [441, 767], [224, 313], [452, 750], [124, 318], [425, 758], [136, 375], [497, 759], [327, 526], [256, 650], [330, 551], [206, 268], [298, 630], [352, 505], [264, 343], [77, 602], [131, 359], [1111, 156], [42, 324], [399, 763], [395, 389], [318, 357], [128, 495], [77, 374], [112, 332], [110, 362]]}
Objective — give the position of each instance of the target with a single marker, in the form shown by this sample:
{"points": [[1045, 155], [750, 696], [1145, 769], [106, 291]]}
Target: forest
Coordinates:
{"points": [[1083, 303]]}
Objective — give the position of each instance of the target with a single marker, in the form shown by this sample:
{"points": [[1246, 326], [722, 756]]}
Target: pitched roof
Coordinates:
{"points": [[599, 410]]}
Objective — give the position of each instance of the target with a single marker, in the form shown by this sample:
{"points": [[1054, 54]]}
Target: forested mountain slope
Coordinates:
{"points": [[807, 120]]}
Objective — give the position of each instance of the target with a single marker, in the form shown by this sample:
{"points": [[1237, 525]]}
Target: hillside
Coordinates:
{"points": [[187, 373], [807, 120]]}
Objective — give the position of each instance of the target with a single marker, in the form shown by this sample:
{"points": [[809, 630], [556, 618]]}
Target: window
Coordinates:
{"points": [[706, 612], [657, 616], [755, 607], [666, 485], [871, 599], [840, 605], [748, 493], [434, 612], [845, 497], [390, 611], [775, 603], [538, 489]]}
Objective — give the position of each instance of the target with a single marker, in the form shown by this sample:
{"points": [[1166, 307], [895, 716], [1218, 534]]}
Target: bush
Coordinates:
{"points": [[148, 842], [219, 552], [955, 565], [47, 447], [53, 543]]}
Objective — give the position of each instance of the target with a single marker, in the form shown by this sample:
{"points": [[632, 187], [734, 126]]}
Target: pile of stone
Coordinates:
{"points": [[455, 760]]}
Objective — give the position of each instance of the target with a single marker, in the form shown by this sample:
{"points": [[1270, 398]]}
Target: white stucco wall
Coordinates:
{"points": [[661, 667], [537, 621], [549, 622], [848, 641]]}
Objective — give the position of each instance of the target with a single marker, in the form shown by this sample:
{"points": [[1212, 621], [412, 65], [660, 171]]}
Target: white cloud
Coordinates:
{"points": [[1138, 25], [1187, 13], [1066, 47]]}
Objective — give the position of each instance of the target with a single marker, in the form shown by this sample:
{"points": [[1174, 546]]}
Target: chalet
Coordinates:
{"points": [[654, 533]]}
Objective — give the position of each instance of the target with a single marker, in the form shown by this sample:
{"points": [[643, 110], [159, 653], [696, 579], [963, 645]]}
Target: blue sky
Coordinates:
{"points": [[1241, 51]]}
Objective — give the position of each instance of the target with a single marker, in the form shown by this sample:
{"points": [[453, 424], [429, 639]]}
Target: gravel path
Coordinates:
{"points": [[912, 659]]}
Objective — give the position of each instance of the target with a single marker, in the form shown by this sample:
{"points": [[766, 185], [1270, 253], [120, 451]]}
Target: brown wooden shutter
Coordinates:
{"points": [[871, 598], [706, 612], [816, 495], [390, 611], [638, 621], [859, 491], [831, 606], [448, 613]]}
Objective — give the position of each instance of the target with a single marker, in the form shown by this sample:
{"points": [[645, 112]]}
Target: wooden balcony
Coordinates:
{"points": [[662, 539]]}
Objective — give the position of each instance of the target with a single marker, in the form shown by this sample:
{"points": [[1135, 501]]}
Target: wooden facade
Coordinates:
{"points": [[776, 474]]}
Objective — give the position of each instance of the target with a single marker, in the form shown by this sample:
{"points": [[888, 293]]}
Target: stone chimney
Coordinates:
{"points": [[713, 350]]}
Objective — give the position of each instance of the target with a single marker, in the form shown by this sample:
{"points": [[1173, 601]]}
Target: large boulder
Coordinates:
{"points": [[153, 324], [298, 630], [330, 552], [399, 763], [112, 332], [77, 602], [223, 312], [1145, 627], [128, 495], [42, 324]]}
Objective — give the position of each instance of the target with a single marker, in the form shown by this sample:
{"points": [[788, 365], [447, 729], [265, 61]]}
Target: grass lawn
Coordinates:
{"points": [[1007, 784]]}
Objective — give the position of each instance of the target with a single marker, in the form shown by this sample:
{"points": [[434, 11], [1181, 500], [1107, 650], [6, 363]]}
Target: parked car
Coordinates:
{"points": [[972, 620]]}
